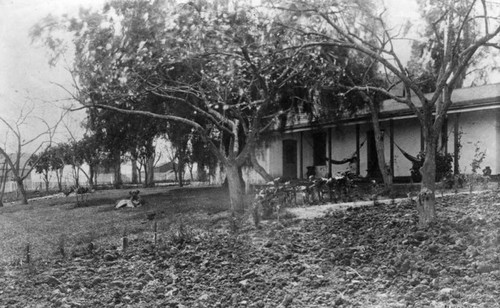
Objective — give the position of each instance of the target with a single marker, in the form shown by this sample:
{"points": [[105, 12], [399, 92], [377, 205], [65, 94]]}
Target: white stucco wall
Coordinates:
{"points": [[478, 129], [276, 156]]}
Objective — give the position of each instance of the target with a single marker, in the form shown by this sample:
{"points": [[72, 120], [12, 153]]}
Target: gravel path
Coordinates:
{"points": [[311, 212]]}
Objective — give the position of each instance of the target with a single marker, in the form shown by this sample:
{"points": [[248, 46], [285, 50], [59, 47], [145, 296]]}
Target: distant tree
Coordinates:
{"points": [[89, 151], [58, 156], [201, 155], [145, 155], [43, 166]]}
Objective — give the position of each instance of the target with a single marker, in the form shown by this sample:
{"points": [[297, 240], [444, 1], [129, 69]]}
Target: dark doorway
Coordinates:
{"points": [[372, 159], [290, 159], [319, 149]]}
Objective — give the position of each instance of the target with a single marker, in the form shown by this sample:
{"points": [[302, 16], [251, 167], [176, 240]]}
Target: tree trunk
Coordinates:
{"points": [[202, 174], [134, 171], [382, 165], [379, 144], [46, 180], [3, 182], [117, 183], [175, 172], [180, 168], [191, 166], [236, 194], [150, 175], [139, 173], [22, 190], [426, 203], [258, 168], [59, 175], [91, 176]]}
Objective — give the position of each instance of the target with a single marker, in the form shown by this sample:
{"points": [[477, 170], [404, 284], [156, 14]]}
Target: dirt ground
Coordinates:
{"points": [[363, 256]]}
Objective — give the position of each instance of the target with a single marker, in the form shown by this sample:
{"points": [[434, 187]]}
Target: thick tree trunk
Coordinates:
{"points": [[379, 144], [91, 176], [59, 174], [76, 176], [134, 172], [202, 174], [236, 194], [149, 168], [382, 165], [117, 183], [22, 190], [426, 203]]}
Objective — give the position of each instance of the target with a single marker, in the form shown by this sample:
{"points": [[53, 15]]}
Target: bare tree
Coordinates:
{"points": [[18, 160]]}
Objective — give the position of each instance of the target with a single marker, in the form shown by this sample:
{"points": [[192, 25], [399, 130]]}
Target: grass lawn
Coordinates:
{"points": [[43, 223]]}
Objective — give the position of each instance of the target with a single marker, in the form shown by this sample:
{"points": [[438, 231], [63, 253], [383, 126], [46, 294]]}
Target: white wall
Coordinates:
{"points": [[479, 129]]}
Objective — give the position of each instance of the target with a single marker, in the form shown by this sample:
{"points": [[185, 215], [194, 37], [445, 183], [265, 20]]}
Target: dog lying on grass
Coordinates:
{"points": [[134, 200]]}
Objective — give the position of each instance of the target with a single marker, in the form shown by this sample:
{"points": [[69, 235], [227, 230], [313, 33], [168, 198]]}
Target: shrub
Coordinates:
{"points": [[443, 166]]}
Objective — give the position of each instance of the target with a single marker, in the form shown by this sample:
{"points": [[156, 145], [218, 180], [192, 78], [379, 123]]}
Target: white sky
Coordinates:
{"points": [[25, 76]]}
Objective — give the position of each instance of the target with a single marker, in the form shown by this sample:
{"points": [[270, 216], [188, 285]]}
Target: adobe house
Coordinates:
{"points": [[472, 125]]}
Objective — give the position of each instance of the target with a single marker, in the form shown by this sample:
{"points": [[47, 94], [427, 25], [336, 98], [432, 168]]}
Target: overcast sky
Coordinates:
{"points": [[25, 76]]}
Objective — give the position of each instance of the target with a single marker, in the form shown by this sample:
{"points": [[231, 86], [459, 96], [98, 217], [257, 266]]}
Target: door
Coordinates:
{"points": [[290, 159]]}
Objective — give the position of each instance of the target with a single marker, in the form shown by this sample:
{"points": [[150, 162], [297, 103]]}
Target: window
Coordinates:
{"points": [[319, 149]]}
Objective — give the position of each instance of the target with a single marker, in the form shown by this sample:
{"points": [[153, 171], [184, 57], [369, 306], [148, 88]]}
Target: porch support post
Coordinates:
{"points": [[329, 151], [391, 136], [422, 139], [357, 150], [456, 144], [301, 155]]}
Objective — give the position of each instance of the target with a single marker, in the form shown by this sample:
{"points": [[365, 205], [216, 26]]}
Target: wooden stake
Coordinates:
{"points": [[62, 243], [155, 234], [124, 241], [28, 254]]}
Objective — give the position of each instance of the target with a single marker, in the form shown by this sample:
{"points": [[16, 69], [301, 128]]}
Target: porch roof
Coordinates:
{"points": [[463, 100]]}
